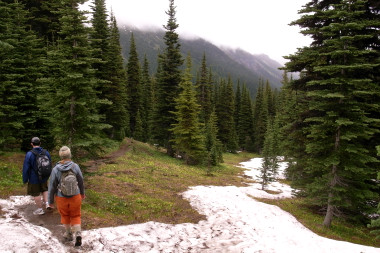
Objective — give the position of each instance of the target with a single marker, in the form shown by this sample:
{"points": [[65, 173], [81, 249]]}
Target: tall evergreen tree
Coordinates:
{"points": [[204, 91], [237, 110], [73, 102], [187, 131], [225, 112], [115, 89], [168, 83], [134, 84], [269, 165], [260, 118], [20, 67], [147, 100], [245, 126], [213, 145], [341, 81], [100, 38]]}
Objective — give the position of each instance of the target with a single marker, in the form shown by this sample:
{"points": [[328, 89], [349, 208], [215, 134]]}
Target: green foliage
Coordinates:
{"points": [[187, 131], [116, 114], [339, 117], [270, 164], [213, 145], [71, 97], [20, 57], [134, 88], [168, 79], [225, 107]]}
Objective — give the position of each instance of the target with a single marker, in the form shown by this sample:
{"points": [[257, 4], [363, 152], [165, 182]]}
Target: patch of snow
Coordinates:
{"points": [[235, 223]]}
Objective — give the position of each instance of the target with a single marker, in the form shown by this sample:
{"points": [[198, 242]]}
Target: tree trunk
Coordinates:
{"points": [[330, 207]]}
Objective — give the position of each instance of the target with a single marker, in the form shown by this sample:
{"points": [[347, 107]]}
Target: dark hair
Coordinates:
{"points": [[36, 141]]}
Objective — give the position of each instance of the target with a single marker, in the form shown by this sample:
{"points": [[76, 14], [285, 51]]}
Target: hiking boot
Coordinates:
{"points": [[68, 236], [39, 211], [78, 239], [48, 207]]}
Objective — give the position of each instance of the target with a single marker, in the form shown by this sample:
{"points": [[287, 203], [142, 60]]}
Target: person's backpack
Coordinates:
{"points": [[43, 164], [68, 183]]}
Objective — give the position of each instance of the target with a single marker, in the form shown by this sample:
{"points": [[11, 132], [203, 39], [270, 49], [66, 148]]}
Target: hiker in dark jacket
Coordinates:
{"points": [[36, 187], [69, 206]]}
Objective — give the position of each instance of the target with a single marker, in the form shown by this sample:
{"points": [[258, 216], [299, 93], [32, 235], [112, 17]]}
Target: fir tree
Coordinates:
{"points": [[73, 102], [204, 91], [188, 138], [260, 118], [213, 145], [245, 127], [20, 67], [270, 153], [147, 99], [168, 79], [225, 113], [138, 134], [134, 83], [116, 114], [340, 81]]}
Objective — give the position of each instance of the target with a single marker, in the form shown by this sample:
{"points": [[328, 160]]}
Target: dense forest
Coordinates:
{"points": [[63, 78]]}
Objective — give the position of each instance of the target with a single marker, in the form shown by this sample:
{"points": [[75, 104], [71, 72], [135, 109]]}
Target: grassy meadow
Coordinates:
{"points": [[142, 184]]}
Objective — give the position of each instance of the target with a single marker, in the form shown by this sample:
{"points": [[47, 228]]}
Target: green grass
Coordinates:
{"points": [[145, 184], [11, 175], [339, 230]]}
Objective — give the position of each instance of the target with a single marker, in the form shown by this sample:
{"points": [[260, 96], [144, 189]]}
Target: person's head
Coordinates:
{"points": [[35, 141], [65, 153]]}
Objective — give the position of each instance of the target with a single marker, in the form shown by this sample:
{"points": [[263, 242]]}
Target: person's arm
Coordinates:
{"points": [[25, 168], [53, 185], [80, 181]]}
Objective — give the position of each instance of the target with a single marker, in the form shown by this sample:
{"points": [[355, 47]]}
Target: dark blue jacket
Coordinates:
{"points": [[29, 170]]}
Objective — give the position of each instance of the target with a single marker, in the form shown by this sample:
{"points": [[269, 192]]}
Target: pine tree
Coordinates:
{"points": [[260, 118], [225, 113], [134, 83], [245, 126], [71, 92], [237, 111], [204, 91], [187, 131], [168, 80], [138, 134], [340, 73], [21, 57], [116, 114], [213, 145], [270, 153], [44, 19], [147, 100]]}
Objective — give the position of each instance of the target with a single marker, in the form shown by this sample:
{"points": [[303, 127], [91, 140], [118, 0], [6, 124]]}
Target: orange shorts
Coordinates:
{"points": [[69, 209]]}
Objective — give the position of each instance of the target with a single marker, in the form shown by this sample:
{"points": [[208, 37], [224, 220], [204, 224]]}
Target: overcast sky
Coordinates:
{"points": [[257, 26]]}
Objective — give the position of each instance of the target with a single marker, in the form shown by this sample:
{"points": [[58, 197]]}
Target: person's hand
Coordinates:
{"points": [[83, 196]]}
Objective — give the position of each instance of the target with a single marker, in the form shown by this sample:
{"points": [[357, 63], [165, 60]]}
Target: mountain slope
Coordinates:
{"points": [[224, 62]]}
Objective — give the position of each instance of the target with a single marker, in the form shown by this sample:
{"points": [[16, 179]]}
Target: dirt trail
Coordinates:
{"points": [[51, 219]]}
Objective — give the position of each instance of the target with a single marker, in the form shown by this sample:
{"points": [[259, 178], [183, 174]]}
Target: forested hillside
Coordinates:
{"points": [[64, 79], [223, 62]]}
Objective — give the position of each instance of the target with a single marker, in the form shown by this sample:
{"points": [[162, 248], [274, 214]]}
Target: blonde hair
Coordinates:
{"points": [[65, 153]]}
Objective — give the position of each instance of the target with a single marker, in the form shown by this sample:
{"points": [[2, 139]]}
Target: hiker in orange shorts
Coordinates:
{"points": [[66, 186]]}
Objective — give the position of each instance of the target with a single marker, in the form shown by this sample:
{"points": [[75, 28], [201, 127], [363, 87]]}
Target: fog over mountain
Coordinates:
{"points": [[224, 62]]}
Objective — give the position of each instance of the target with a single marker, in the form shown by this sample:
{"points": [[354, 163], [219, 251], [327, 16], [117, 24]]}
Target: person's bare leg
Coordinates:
{"points": [[45, 199], [68, 233], [38, 201]]}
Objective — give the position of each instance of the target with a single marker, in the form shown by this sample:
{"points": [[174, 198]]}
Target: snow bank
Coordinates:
{"points": [[235, 223]]}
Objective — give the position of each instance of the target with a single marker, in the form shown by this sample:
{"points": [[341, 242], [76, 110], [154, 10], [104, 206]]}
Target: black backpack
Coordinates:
{"points": [[43, 164]]}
